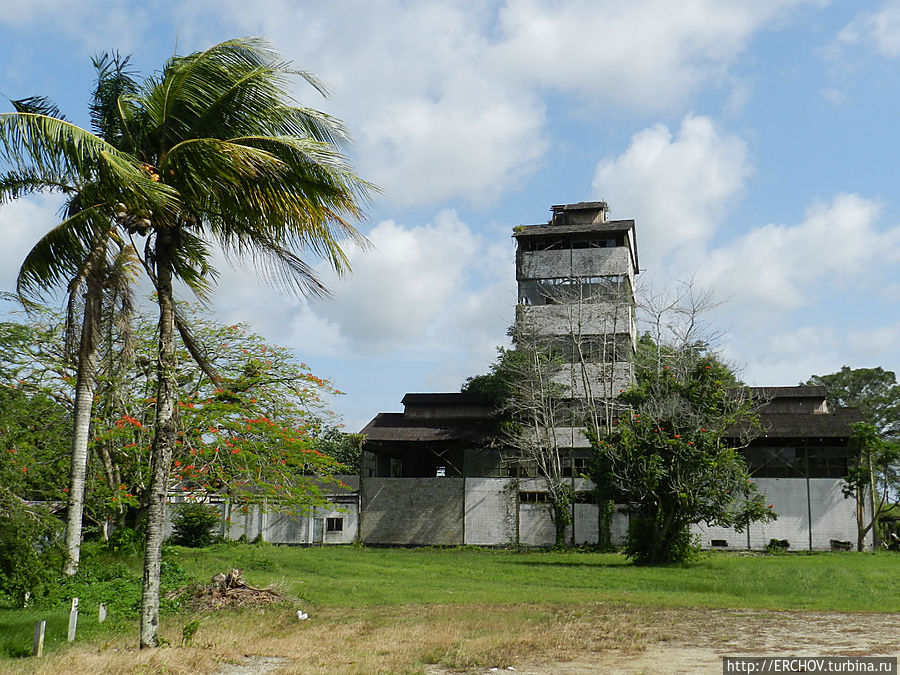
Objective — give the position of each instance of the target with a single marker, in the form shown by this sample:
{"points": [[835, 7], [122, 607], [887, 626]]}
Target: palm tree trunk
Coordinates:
{"points": [[163, 443], [84, 401]]}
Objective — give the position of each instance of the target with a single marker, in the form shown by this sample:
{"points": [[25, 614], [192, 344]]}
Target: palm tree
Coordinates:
{"points": [[209, 150], [254, 173], [77, 252]]}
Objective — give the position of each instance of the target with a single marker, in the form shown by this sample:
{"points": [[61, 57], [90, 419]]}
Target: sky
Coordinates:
{"points": [[754, 143]]}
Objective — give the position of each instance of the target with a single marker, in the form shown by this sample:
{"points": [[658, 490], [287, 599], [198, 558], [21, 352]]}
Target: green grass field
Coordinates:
{"points": [[344, 582], [348, 577]]}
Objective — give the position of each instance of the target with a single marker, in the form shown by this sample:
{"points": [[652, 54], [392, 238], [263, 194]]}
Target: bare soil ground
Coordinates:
{"points": [[528, 639], [695, 640]]}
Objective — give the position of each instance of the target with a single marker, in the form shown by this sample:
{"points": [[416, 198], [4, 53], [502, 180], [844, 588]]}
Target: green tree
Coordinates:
{"points": [[874, 474], [262, 431], [78, 253], [674, 457], [211, 149]]}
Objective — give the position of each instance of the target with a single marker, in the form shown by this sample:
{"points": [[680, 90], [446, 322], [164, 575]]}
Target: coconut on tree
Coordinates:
{"points": [[210, 151]]}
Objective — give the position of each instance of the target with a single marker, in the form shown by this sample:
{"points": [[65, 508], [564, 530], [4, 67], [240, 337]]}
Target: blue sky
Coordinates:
{"points": [[754, 143]]}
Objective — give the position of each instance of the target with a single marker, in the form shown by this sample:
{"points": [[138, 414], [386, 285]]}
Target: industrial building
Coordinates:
{"points": [[435, 473]]}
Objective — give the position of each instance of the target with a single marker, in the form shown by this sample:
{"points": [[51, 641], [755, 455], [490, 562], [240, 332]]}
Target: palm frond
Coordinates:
{"points": [[61, 254], [38, 105], [21, 183], [279, 266], [44, 145], [114, 81]]}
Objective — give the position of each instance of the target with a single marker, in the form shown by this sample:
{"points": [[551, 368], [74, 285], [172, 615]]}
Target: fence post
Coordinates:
{"points": [[37, 647], [102, 612], [73, 619]]}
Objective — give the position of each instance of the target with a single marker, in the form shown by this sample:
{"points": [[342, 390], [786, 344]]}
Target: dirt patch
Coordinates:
{"points": [[695, 640]]}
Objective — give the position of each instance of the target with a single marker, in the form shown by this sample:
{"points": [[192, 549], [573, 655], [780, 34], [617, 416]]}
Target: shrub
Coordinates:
{"points": [[30, 549], [778, 545], [193, 524], [646, 547]]}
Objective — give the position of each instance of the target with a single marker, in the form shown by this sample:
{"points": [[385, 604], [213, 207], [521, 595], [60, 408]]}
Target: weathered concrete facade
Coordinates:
{"points": [[434, 474], [337, 523], [575, 279]]}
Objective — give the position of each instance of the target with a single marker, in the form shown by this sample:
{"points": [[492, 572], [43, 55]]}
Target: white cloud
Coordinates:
{"points": [[446, 100], [22, 223], [647, 55], [878, 30], [786, 266], [414, 280], [430, 292], [676, 187]]}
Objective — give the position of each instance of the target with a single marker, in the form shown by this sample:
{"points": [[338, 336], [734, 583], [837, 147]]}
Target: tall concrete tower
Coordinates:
{"points": [[576, 297]]}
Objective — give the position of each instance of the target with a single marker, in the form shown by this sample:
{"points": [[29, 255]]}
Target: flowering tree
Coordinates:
{"points": [[675, 460], [674, 456], [260, 432]]}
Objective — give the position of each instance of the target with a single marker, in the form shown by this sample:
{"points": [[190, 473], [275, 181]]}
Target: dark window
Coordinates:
{"points": [[334, 524], [719, 543], [534, 497]]}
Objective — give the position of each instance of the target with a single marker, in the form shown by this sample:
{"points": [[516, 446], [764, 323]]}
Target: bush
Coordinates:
{"points": [[646, 547], [778, 546], [193, 524], [126, 540], [30, 550]]}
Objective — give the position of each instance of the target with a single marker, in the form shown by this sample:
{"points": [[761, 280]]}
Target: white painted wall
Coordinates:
{"points": [[490, 517], [833, 516]]}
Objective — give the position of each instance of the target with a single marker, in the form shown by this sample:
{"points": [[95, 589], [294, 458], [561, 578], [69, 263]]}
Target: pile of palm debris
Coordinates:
{"points": [[225, 590]]}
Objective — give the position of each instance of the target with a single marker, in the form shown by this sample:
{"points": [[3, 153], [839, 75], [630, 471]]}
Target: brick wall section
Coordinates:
{"points": [[412, 511]]}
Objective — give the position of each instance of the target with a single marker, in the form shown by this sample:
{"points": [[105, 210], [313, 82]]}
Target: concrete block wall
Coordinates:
{"points": [[605, 378], [490, 511], [412, 511], [279, 527], [536, 526], [833, 517], [595, 319], [586, 523], [586, 262]]}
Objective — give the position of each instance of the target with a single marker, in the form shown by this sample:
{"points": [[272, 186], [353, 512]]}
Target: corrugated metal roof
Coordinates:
{"points": [[400, 427], [799, 391]]}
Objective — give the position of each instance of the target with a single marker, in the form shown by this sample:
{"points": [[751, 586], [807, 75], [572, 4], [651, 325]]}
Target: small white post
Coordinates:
{"points": [[73, 619], [37, 647], [102, 612]]}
